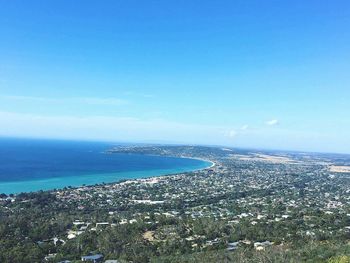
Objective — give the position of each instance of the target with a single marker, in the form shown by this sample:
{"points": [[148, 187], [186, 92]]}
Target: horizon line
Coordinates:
{"points": [[168, 144]]}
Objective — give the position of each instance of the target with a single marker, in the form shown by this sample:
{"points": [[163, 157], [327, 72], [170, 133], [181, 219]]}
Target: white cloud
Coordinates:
{"points": [[272, 122], [100, 101], [71, 100], [138, 94], [113, 128], [147, 95], [107, 128], [244, 127], [27, 98], [231, 133]]}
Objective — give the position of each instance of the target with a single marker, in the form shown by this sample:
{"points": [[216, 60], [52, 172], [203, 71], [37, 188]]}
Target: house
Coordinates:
{"points": [[262, 245], [232, 246], [92, 258]]}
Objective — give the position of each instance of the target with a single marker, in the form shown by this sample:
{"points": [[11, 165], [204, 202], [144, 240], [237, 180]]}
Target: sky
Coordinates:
{"points": [[241, 73]]}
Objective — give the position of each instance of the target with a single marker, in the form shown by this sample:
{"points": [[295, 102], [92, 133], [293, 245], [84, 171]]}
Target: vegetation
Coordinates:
{"points": [[238, 211]]}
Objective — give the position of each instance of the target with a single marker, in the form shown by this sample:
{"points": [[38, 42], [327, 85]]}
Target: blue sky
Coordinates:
{"points": [[258, 74]]}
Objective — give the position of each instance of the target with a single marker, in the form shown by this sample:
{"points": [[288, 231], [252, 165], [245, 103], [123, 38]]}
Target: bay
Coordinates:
{"points": [[30, 165]]}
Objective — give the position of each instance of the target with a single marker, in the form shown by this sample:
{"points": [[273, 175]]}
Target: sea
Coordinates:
{"points": [[28, 165]]}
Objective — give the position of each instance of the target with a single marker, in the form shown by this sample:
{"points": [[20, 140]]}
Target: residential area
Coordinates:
{"points": [[248, 204]]}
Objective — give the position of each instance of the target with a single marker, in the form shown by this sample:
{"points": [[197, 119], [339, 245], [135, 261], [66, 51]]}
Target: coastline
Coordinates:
{"points": [[155, 177], [213, 164], [50, 184]]}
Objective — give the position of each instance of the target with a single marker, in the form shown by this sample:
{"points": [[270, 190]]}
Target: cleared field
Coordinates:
{"points": [[339, 169], [264, 158]]}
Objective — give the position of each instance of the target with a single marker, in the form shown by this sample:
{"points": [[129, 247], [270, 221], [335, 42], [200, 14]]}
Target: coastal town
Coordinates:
{"points": [[175, 131], [249, 206]]}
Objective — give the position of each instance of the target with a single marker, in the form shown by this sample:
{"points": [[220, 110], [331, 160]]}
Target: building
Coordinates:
{"points": [[92, 258]]}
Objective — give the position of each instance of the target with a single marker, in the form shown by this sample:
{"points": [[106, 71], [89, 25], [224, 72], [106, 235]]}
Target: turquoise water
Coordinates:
{"points": [[32, 165]]}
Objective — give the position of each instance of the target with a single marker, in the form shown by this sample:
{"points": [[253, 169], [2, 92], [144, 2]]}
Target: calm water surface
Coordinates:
{"points": [[31, 165]]}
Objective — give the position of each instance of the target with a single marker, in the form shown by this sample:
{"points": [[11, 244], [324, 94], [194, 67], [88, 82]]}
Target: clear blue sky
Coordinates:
{"points": [[261, 74]]}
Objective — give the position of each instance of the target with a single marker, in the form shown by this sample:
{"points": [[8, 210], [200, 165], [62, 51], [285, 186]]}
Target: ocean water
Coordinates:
{"points": [[32, 165]]}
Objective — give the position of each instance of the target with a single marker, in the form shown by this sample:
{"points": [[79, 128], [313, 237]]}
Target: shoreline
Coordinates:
{"points": [[213, 164], [89, 180], [155, 177]]}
